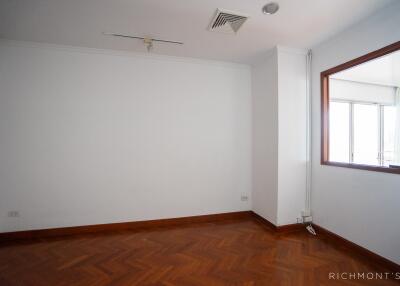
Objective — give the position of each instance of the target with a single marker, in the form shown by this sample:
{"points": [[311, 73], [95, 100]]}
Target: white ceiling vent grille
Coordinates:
{"points": [[227, 21]]}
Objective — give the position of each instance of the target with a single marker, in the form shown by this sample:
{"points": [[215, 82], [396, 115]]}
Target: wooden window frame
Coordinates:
{"points": [[325, 109]]}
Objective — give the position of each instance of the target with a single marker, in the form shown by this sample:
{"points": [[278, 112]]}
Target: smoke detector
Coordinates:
{"points": [[227, 21]]}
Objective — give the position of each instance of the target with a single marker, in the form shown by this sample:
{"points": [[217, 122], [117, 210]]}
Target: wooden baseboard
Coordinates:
{"points": [[291, 227], [334, 239], [112, 227], [343, 243], [282, 228], [264, 221]]}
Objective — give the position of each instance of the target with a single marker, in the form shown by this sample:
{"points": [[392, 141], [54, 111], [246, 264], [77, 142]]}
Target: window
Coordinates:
{"points": [[361, 112], [339, 132], [389, 119], [361, 133], [366, 134]]}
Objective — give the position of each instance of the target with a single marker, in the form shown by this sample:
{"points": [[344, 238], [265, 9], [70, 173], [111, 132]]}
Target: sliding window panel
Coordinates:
{"points": [[389, 122], [366, 134], [339, 131]]}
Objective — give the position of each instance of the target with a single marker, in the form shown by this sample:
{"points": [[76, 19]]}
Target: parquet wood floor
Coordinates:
{"points": [[238, 252]]}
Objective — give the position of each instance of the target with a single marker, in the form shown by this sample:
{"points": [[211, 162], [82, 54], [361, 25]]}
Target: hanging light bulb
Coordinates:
{"points": [[149, 44]]}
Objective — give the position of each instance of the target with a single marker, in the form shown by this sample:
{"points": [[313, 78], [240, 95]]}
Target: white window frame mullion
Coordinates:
{"points": [[381, 130], [351, 132]]}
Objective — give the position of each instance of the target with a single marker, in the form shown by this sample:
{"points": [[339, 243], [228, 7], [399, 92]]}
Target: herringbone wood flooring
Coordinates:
{"points": [[240, 252]]}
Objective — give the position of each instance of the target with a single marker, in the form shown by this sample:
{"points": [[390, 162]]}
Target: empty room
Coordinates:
{"points": [[188, 142]]}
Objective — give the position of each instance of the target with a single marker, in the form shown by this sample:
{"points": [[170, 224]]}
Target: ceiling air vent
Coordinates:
{"points": [[227, 21]]}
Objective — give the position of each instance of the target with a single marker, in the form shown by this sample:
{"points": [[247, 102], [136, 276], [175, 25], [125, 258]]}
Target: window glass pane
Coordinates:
{"points": [[339, 121], [366, 137], [389, 121]]}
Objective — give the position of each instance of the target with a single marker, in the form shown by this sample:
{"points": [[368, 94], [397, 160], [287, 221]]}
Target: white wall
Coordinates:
{"points": [[265, 137], [361, 206], [93, 136], [279, 135], [292, 134]]}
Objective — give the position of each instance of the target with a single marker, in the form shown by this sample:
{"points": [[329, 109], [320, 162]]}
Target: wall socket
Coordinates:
{"points": [[244, 198], [307, 219], [13, 214], [306, 216]]}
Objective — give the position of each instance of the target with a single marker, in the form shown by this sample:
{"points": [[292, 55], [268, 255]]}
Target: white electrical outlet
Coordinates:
{"points": [[306, 216], [13, 214], [307, 219], [244, 198]]}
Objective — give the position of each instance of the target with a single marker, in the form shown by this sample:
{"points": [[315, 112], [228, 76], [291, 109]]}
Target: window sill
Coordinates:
{"points": [[363, 167]]}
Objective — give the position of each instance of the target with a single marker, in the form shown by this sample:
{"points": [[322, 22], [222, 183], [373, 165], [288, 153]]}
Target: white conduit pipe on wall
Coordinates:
{"points": [[307, 211]]}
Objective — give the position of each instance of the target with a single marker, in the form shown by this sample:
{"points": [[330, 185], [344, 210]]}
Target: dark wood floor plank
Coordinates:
{"points": [[237, 252]]}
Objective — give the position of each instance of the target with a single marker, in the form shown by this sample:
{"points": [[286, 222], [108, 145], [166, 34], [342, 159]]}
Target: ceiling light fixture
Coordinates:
{"points": [[270, 8]]}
